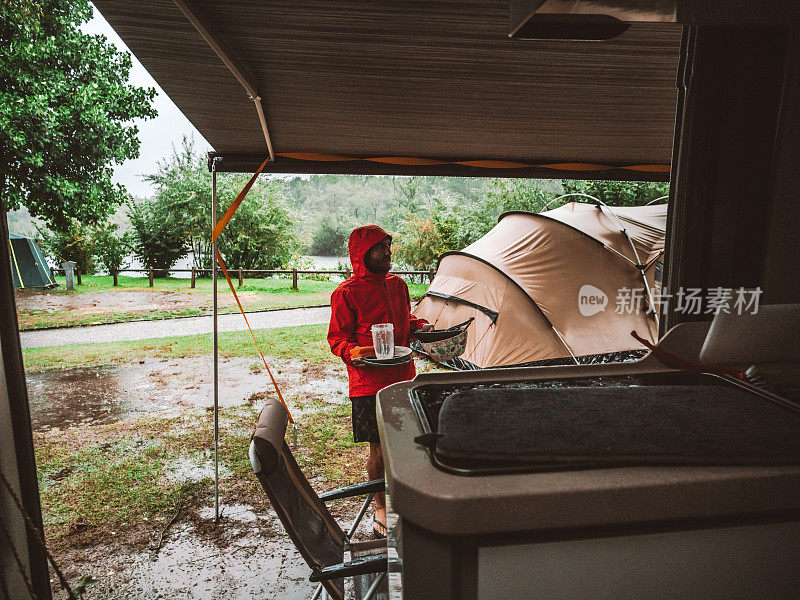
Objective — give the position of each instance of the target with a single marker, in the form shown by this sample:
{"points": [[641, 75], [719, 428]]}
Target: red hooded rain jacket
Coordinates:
{"points": [[365, 299]]}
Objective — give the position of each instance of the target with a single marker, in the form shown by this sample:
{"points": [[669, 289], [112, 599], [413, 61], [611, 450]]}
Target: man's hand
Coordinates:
{"points": [[357, 353], [426, 327]]}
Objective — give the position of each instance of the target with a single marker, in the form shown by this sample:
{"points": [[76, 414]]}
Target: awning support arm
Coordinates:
{"points": [[215, 336], [226, 55]]}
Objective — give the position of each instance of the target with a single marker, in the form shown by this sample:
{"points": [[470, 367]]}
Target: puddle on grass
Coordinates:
{"points": [[245, 556], [193, 468], [241, 513], [79, 396], [70, 397]]}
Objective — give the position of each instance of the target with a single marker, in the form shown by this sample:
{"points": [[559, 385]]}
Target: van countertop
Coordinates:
{"points": [[451, 504]]}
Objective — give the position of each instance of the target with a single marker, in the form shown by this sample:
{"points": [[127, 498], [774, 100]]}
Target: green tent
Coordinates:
{"points": [[28, 266]]}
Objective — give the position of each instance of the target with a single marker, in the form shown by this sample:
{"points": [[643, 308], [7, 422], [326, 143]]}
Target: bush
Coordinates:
{"points": [[452, 223], [305, 263], [330, 239], [74, 243], [504, 195], [419, 242]]}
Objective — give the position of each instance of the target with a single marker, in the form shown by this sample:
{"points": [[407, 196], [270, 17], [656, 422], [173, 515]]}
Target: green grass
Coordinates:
{"points": [[304, 342], [205, 285], [39, 319], [256, 294], [327, 449], [107, 484], [112, 477], [101, 481]]}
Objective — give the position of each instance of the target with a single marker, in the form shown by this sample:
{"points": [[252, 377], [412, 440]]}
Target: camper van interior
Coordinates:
{"points": [[687, 483]]}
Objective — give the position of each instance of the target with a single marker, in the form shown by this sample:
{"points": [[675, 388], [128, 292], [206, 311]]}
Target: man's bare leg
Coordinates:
{"points": [[375, 471]]}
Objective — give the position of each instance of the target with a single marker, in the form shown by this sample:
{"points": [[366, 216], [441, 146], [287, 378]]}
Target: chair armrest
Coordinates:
{"points": [[360, 566], [359, 489]]}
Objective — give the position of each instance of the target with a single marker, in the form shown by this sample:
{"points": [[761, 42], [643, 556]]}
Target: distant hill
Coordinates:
{"points": [[22, 223], [359, 199]]}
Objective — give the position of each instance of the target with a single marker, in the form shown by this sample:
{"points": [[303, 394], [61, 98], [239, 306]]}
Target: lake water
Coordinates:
{"points": [[329, 262]]}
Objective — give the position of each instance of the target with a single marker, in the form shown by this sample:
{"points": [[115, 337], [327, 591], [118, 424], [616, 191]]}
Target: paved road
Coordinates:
{"points": [[142, 330]]}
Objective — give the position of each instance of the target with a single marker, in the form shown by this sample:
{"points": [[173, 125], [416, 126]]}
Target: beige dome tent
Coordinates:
{"points": [[562, 284]]}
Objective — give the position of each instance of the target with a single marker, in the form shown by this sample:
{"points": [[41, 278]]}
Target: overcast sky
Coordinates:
{"points": [[156, 135]]}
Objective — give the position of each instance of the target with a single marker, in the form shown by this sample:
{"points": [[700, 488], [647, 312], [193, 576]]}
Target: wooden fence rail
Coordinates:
{"points": [[242, 273]]}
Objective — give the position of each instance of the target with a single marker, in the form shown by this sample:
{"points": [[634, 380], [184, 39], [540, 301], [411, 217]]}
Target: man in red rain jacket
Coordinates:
{"points": [[370, 296]]}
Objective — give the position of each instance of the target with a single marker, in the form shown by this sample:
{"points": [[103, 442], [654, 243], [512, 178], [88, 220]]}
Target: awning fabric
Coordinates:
{"points": [[432, 87]]}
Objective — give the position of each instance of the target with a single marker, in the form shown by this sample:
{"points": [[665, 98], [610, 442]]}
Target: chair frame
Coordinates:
{"points": [[360, 566]]}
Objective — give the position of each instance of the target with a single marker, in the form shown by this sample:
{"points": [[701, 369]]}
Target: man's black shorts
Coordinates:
{"points": [[365, 425]]}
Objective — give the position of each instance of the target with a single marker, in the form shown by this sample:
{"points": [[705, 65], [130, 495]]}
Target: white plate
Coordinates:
{"points": [[402, 355]]}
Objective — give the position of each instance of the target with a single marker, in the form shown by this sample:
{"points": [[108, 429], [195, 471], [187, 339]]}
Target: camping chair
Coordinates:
{"points": [[307, 521]]}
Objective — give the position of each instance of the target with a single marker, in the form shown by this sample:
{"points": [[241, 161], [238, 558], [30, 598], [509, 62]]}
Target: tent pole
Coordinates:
{"points": [[639, 265], [216, 348], [563, 341], [600, 204]]}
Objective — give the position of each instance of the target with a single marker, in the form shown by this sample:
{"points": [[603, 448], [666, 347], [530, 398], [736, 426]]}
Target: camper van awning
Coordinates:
{"points": [[431, 86]]}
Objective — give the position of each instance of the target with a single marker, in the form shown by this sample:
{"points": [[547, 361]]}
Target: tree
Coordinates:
{"points": [[110, 249], [452, 222], [407, 190], [73, 242], [66, 113], [260, 235], [158, 237], [504, 195], [183, 185], [619, 193]]}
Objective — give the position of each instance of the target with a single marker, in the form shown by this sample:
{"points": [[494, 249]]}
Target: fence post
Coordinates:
{"points": [[294, 279], [431, 274], [347, 273], [114, 274], [241, 277], [78, 273], [52, 273], [150, 275], [193, 275]]}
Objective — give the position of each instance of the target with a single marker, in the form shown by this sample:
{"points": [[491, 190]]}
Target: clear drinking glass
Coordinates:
{"points": [[383, 340]]}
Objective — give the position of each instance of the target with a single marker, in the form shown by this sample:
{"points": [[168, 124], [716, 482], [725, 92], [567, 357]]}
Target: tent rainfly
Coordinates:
{"points": [[28, 266], [564, 283]]}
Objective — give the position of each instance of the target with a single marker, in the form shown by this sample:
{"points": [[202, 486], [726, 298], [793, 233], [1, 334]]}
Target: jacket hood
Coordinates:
{"points": [[361, 240]]}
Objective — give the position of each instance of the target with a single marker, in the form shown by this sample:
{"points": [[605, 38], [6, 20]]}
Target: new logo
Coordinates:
{"points": [[591, 300]]}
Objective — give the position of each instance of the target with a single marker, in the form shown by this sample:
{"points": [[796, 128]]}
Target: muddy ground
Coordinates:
{"points": [[121, 301], [246, 555], [71, 397]]}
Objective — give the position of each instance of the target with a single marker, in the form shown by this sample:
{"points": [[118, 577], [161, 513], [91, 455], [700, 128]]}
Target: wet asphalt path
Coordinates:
{"points": [[142, 330]]}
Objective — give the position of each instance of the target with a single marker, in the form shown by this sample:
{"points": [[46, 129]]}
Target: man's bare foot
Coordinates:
{"points": [[379, 523]]}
